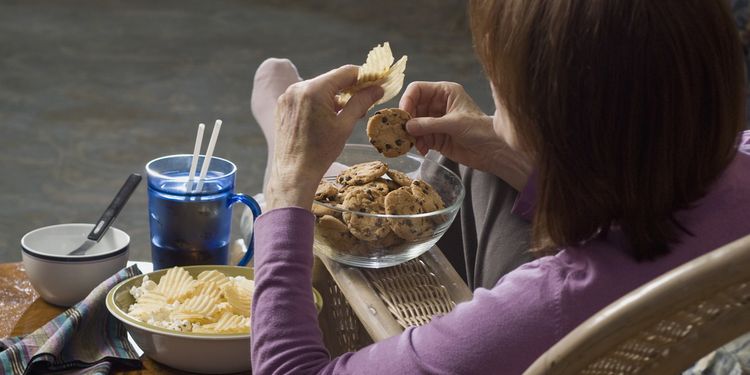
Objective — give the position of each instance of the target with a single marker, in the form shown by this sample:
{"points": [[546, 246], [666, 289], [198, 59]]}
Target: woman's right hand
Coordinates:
{"points": [[311, 130], [446, 119]]}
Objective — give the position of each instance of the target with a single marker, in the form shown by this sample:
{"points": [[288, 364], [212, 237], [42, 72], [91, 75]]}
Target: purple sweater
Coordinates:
{"points": [[501, 330]]}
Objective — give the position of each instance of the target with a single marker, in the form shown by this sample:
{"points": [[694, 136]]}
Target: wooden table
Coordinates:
{"points": [[22, 312], [345, 325]]}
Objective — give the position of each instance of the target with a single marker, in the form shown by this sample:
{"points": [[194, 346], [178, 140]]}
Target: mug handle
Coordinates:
{"points": [[255, 208]]}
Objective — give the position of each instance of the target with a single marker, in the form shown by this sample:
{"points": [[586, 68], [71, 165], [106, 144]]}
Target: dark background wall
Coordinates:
{"points": [[90, 90]]}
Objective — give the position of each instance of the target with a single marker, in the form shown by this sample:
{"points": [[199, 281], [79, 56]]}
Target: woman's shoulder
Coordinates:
{"points": [[579, 281], [551, 287], [724, 212]]}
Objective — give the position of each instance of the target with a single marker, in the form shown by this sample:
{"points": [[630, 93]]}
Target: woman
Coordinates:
{"points": [[627, 111]]}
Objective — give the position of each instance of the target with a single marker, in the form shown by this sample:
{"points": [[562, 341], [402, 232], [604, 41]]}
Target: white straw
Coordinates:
{"points": [[196, 155], [209, 154]]}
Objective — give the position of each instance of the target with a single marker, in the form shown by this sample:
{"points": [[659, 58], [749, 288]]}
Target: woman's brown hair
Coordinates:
{"points": [[631, 108]]}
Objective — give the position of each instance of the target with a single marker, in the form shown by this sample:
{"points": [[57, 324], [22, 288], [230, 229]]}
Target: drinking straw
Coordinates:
{"points": [[209, 154], [196, 155]]}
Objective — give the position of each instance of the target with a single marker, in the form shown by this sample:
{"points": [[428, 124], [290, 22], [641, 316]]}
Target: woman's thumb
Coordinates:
{"points": [[359, 103], [421, 126]]}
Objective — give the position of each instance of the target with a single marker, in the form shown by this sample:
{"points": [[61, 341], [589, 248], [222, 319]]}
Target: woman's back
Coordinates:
{"points": [[566, 289]]}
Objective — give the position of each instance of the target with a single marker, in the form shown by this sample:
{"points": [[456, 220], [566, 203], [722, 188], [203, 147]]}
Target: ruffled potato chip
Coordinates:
{"points": [[210, 303], [212, 288], [176, 284], [189, 316], [379, 60], [197, 308], [219, 310], [148, 304], [379, 69], [213, 276], [239, 295], [228, 323]]}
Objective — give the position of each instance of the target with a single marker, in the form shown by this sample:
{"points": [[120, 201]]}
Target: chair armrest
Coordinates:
{"points": [[384, 299]]}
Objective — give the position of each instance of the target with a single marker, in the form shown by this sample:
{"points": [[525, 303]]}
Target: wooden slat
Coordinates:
{"points": [[368, 305]]}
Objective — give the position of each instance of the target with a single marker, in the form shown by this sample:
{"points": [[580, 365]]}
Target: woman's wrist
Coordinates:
{"points": [[284, 194]]}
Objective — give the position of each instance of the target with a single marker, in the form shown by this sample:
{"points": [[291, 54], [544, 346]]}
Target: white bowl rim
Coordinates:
{"points": [[447, 210], [118, 250]]}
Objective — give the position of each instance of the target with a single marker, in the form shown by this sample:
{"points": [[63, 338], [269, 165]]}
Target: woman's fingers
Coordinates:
{"points": [[429, 142], [418, 98], [359, 103], [422, 126], [410, 98], [337, 79]]}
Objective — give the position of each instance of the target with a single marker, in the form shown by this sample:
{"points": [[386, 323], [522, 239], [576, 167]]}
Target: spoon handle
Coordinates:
{"points": [[115, 207]]}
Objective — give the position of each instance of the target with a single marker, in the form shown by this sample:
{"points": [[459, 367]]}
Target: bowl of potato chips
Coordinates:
{"points": [[375, 211], [193, 318]]}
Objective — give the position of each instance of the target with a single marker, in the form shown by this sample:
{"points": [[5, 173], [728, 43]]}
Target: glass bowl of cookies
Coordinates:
{"points": [[375, 211]]}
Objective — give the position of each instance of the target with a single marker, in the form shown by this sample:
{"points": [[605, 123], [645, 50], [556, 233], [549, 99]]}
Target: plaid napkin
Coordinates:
{"points": [[85, 339]]}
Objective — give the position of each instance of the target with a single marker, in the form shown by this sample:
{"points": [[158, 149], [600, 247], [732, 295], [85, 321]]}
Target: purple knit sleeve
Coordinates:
{"points": [[501, 330], [285, 335]]}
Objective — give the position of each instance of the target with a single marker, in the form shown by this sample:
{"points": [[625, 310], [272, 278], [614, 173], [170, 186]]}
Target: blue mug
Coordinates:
{"points": [[190, 221]]}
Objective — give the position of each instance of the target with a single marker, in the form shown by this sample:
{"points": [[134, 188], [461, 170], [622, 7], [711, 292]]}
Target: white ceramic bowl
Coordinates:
{"points": [[62, 279], [196, 352]]}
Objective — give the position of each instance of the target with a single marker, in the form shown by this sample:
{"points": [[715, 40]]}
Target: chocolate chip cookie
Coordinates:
{"points": [[399, 177], [387, 132], [324, 208], [379, 186], [431, 200], [335, 234], [326, 191], [365, 227], [362, 173], [403, 202]]}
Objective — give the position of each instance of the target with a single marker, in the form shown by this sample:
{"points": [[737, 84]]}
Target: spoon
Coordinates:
{"points": [[109, 215]]}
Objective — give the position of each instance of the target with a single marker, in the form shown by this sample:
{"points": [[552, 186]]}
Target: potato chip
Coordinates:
{"points": [[394, 81], [189, 316], [240, 296], [228, 323], [379, 59], [378, 70], [213, 275], [209, 303], [232, 323], [219, 310], [148, 304], [197, 308], [210, 288], [176, 284]]}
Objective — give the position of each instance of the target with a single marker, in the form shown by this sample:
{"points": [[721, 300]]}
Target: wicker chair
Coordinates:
{"points": [[664, 326]]}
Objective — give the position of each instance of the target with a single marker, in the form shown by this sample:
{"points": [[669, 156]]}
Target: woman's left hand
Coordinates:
{"points": [[311, 132]]}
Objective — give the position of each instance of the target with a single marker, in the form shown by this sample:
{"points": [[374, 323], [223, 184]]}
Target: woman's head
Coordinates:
{"points": [[631, 107]]}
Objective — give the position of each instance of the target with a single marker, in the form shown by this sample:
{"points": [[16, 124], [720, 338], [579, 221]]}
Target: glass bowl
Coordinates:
{"points": [[390, 249]]}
